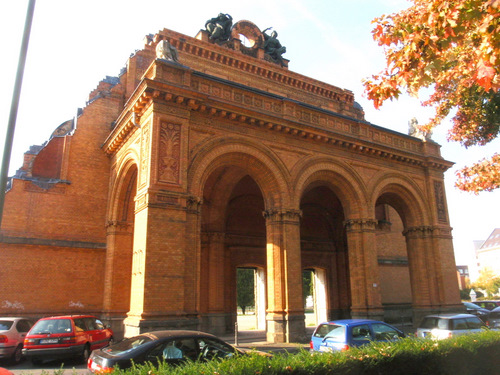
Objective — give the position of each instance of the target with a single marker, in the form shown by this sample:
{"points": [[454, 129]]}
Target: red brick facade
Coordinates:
{"points": [[177, 173]]}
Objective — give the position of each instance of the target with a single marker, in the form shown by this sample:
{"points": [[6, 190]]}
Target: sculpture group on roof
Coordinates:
{"points": [[219, 29]]}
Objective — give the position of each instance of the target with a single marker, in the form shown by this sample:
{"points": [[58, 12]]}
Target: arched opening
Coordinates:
{"points": [[117, 290], [392, 255], [234, 237], [324, 254], [251, 298]]}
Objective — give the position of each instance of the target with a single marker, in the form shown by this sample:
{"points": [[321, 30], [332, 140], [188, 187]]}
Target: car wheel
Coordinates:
{"points": [[18, 354], [84, 357]]}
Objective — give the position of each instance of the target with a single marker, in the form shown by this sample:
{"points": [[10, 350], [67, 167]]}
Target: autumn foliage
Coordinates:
{"points": [[452, 47]]}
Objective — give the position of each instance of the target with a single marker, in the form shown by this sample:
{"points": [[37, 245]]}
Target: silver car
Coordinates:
{"points": [[12, 333], [443, 326]]}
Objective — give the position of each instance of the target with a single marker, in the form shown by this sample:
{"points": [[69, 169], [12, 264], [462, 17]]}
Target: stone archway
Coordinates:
{"points": [[119, 255]]}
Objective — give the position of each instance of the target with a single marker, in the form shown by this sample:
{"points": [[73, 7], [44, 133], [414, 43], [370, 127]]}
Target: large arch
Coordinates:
{"points": [[400, 208], [238, 181], [262, 164], [119, 254], [329, 192]]}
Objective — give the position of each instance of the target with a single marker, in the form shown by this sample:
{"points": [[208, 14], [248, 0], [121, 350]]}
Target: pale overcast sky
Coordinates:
{"points": [[74, 44]]}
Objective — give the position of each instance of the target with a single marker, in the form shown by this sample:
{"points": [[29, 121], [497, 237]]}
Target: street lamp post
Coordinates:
{"points": [[9, 137]]}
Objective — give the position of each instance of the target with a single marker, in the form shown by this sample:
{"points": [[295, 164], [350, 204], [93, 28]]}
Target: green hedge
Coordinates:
{"points": [[471, 354]]}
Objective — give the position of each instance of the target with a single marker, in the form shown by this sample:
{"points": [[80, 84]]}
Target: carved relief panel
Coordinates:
{"points": [[169, 153]]}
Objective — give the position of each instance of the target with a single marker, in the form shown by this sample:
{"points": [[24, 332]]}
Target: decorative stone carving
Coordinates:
{"points": [[169, 155], [193, 204], [440, 206], [360, 224], [144, 154], [277, 215], [422, 231], [166, 51]]}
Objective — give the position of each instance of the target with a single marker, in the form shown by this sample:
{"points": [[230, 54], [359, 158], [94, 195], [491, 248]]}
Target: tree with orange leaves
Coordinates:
{"points": [[452, 46]]}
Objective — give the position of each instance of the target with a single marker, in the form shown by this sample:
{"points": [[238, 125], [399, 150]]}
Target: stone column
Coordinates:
{"points": [[366, 297], [285, 310], [117, 278]]}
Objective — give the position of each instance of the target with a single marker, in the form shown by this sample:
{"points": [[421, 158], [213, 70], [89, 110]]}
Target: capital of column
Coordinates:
{"points": [[113, 226], [360, 225], [425, 231], [193, 204], [282, 215]]}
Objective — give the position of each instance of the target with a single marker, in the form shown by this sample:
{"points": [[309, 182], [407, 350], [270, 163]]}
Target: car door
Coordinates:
{"points": [[96, 332], [383, 332], [360, 335], [210, 349], [174, 351], [22, 327]]}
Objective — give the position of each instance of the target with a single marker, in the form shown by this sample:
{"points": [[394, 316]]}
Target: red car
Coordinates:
{"points": [[67, 336]]}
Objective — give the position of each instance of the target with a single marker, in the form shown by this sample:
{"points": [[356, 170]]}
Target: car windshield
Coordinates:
{"points": [[5, 325], [127, 345], [51, 326]]}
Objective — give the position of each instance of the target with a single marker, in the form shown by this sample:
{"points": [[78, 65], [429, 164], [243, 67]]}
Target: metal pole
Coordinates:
{"points": [[236, 334], [14, 106]]}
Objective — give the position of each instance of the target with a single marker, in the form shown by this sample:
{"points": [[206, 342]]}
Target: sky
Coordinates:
{"points": [[75, 44]]}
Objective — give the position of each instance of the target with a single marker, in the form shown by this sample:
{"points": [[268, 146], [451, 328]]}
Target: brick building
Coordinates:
{"points": [[186, 167]]}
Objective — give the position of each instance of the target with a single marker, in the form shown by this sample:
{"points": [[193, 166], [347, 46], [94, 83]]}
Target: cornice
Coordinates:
{"points": [[284, 116], [238, 59]]}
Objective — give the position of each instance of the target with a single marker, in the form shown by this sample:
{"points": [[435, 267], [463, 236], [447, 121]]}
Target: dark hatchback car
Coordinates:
{"points": [[474, 309], [340, 335], [489, 305], [493, 320], [173, 347]]}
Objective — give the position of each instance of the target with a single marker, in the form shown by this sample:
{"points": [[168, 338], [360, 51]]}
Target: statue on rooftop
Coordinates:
{"points": [[416, 131], [273, 47], [219, 27], [166, 51]]}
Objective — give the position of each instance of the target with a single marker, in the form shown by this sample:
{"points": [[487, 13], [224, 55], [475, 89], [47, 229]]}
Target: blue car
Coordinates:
{"points": [[340, 335]]}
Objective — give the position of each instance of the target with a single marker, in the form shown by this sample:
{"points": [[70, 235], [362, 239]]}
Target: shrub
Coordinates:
{"points": [[464, 355]]}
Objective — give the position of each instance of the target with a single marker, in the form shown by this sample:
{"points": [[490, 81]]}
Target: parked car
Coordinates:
{"points": [[60, 337], [442, 326], [12, 333], [493, 320], [489, 305], [474, 309], [173, 347], [340, 335]]}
